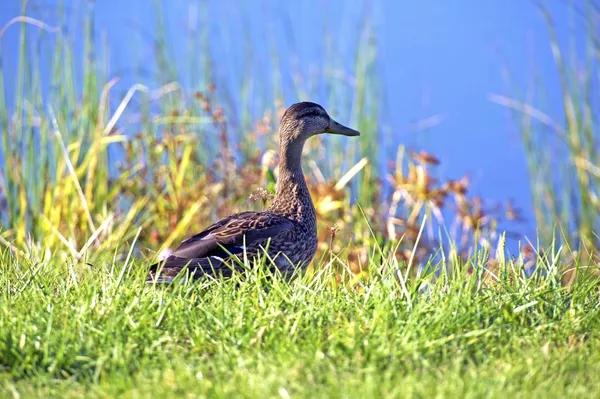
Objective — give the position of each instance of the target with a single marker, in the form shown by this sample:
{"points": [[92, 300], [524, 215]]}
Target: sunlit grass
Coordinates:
{"points": [[67, 328]]}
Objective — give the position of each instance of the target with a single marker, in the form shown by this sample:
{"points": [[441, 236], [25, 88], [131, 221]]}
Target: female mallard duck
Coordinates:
{"points": [[287, 230]]}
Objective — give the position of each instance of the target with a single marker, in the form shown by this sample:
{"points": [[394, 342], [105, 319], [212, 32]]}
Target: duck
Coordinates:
{"points": [[286, 230]]}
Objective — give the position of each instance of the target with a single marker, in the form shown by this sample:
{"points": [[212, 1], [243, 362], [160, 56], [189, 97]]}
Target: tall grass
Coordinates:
{"points": [[563, 152], [71, 330]]}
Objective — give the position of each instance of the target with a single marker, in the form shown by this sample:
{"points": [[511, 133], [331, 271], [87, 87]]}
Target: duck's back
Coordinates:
{"points": [[288, 243]]}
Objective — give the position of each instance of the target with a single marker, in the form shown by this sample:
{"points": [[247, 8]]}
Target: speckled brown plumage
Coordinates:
{"points": [[287, 229]]}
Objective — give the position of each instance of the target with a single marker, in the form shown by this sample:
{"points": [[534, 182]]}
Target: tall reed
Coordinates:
{"points": [[563, 151]]}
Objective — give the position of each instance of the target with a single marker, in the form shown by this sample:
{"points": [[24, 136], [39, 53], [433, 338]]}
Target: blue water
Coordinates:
{"points": [[436, 58]]}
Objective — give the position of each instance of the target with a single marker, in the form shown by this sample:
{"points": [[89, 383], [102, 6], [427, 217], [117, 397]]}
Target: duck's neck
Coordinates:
{"points": [[292, 198]]}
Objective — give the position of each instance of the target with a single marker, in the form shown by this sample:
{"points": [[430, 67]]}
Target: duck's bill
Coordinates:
{"points": [[338, 128]]}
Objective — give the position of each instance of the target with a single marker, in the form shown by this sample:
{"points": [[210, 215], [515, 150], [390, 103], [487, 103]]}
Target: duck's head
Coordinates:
{"points": [[305, 119]]}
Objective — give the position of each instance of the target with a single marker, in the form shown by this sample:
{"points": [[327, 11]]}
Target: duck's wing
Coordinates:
{"points": [[229, 235], [205, 252]]}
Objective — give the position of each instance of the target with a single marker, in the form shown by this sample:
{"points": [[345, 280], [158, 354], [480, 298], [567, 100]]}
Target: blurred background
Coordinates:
{"points": [[479, 114]]}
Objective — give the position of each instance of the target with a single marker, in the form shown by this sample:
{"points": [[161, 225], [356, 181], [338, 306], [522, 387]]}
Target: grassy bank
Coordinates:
{"points": [[71, 330]]}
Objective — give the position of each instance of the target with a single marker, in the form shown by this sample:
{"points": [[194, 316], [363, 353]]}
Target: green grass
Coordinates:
{"points": [[71, 330]]}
